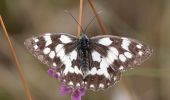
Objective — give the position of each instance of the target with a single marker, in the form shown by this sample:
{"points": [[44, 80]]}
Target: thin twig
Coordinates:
{"points": [[80, 18], [102, 28], [21, 74]]}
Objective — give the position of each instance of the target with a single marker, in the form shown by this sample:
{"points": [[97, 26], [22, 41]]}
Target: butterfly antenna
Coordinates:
{"points": [[92, 20], [68, 12]]}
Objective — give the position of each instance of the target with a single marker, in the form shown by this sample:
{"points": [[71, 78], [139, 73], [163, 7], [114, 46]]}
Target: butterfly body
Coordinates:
{"points": [[84, 53], [94, 63]]}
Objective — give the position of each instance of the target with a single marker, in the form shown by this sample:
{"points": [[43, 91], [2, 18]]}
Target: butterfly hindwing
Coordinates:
{"points": [[100, 75], [72, 74], [120, 52]]}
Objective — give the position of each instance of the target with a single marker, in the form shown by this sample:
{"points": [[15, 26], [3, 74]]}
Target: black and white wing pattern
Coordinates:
{"points": [[107, 57], [110, 56], [120, 52], [50, 48], [58, 51], [100, 75]]}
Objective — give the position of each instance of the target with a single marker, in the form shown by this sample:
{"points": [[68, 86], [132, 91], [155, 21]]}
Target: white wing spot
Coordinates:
{"points": [[105, 41], [78, 84], [77, 71], [93, 71], [54, 64], [85, 82], [70, 83], [115, 77], [68, 66], [71, 69], [125, 44], [58, 47], [73, 55], [36, 40], [128, 55], [114, 50], [122, 57], [103, 63], [140, 53], [92, 86], [101, 85], [61, 54], [65, 39], [35, 47], [139, 46], [82, 82], [48, 40], [112, 54], [111, 57], [103, 68], [121, 68], [100, 72], [52, 54], [96, 56], [46, 51], [67, 61]]}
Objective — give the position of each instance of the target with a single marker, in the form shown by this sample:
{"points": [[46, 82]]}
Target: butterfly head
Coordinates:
{"points": [[83, 35], [84, 41]]}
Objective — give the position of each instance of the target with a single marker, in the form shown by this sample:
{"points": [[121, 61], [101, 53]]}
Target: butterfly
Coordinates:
{"points": [[95, 63]]}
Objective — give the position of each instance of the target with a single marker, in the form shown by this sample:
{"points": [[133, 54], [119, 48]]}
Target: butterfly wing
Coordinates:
{"points": [[58, 51], [100, 75], [120, 52], [51, 48], [71, 71], [109, 56]]}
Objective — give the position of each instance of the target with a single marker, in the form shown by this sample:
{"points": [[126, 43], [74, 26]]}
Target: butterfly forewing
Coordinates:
{"points": [[50, 48], [120, 52]]}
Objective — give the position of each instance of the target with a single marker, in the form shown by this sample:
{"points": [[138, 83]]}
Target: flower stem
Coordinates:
{"points": [[102, 28], [21, 74], [80, 18]]}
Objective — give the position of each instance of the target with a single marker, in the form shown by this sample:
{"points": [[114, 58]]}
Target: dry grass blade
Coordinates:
{"points": [[80, 18], [21, 74], [102, 28]]}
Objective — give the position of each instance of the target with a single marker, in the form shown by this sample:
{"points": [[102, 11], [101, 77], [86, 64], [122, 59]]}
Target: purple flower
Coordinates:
{"points": [[65, 90], [76, 93], [53, 73]]}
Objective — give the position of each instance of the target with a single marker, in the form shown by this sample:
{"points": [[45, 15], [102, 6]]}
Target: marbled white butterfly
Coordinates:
{"points": [[94, 63]]}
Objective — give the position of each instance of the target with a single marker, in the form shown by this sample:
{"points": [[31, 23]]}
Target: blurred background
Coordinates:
{"points": [[145, 20]]}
